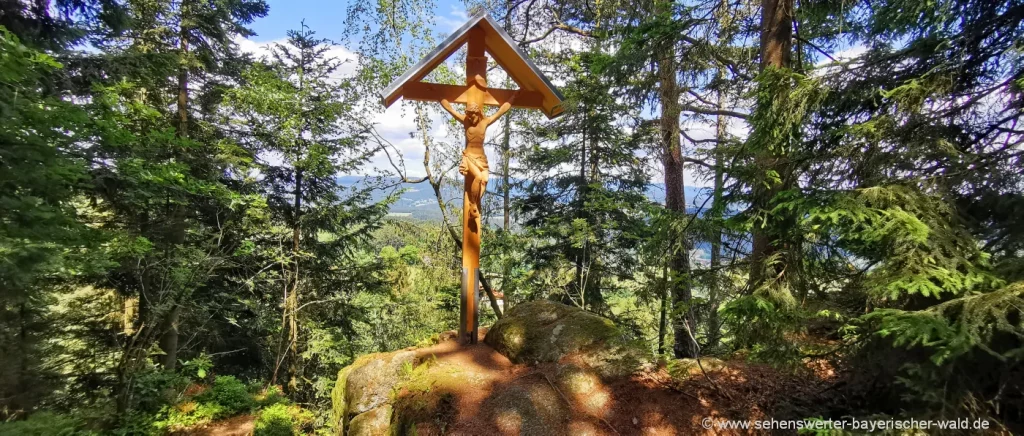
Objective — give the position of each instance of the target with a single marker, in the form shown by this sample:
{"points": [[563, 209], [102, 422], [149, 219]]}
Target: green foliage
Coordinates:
{"points": [[589, 217], [988, 322], [42, 240], [908, 236], [155, 389], [785, 99], [45, 424], [229, 394], [226, 397], [879, 173], [281, 420], [294, 117], [269, 397], [759, 323], [184, 416], [201, 365]]}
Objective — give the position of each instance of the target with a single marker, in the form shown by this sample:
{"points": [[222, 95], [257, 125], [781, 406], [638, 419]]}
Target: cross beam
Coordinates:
{"points": [[423, 91]]}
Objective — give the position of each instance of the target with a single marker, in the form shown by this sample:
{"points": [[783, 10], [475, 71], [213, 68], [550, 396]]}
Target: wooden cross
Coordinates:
{"points": [[481, 36]]}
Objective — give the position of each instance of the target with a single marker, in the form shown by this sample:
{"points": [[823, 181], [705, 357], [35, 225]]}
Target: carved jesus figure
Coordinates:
{"points": [[474, 161]]}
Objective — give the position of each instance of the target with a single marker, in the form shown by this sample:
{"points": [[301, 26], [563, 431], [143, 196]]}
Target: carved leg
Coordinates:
{"points": [[481, 188]]}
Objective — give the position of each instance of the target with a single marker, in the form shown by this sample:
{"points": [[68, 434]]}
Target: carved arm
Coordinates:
{"points": [[448, 107], [504, 108]]}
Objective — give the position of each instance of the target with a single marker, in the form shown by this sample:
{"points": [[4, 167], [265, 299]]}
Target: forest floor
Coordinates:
{"points": [[488, 387], [241, 425], [650, 403]]}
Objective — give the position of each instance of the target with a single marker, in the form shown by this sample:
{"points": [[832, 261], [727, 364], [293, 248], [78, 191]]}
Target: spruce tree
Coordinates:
{"points": [[158, 167], [585, 186], [295, 116]]}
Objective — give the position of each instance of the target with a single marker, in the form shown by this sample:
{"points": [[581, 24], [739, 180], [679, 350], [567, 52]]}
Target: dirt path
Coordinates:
{"points": [[241, 425]]}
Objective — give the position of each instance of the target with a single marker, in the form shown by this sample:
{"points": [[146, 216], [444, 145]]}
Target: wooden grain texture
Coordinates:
{"points": [[422, 91], [536, 91]]}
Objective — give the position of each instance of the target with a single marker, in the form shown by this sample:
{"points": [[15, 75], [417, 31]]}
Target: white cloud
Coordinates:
{"points": [[397, 124], [347, 58], [850, 53], [842, 59], [455, 19]]}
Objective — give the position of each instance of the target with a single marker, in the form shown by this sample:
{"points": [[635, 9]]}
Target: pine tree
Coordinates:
{"points": [[911, 164]]}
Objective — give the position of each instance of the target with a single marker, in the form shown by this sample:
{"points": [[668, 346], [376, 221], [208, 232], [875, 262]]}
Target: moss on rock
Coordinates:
{"points": [[371, 384], [545, 331], [374, 422], [367, 384], [339, 405]]}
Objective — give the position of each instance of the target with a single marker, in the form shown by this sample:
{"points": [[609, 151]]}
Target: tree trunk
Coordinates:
{"points": [[580, 213], [717, 212], [291, 306], [506, 158], [675, 202], [595, 267], [506, 194], [663, 322], [169, 325], [776, 35]]}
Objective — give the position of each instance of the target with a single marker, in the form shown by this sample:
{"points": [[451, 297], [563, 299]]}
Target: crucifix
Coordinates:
{"points": [[481, 36]]}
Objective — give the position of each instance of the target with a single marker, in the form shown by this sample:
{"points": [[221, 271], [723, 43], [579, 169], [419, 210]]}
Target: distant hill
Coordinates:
{"points": [[418, 200], [419, 203]]}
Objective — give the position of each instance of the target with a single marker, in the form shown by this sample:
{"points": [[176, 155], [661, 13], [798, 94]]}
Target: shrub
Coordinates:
{"points": [[274, 421], [43, 424], [230, 394], [189, 414], [155, 389], [281, 420], [269, 397], [227, 397]]}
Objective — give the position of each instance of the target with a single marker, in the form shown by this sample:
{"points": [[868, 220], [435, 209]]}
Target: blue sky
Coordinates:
{"points": [[326, 17]]}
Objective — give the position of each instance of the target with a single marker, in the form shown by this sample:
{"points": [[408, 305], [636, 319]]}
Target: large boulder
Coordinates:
{"points": [[364, 390], [376, 422], [546, 331], [397, 393], [436, 390]]}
